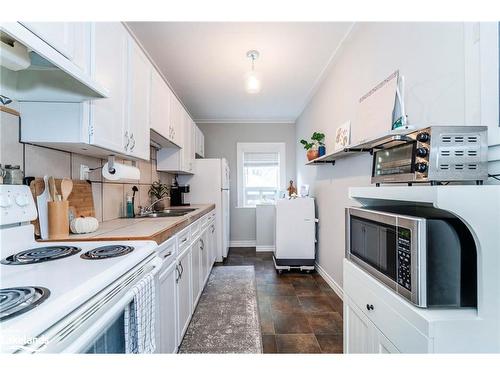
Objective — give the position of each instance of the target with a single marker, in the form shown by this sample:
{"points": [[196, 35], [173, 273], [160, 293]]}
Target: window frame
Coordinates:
{"points": [[242, 147]]}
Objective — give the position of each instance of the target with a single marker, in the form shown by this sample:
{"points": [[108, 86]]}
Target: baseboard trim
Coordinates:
{"points": [[265, 248], [241, 243], [336, 287]]}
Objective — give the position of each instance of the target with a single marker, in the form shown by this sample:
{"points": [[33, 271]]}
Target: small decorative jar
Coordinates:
{"points": [[321, 150]]}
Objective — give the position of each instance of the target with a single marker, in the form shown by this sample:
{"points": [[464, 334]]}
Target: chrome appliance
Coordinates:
{"points": [[434, 154], [425, 255]]}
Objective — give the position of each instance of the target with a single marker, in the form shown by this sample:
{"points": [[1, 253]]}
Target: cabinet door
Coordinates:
{"points": [[168, 309], [59, 35], [138, 101], [358, 330], [212, 243], [205, 253], [184, 292], [160, 106], [108, 118], [196, 271], [176, 119], [382, 344]]}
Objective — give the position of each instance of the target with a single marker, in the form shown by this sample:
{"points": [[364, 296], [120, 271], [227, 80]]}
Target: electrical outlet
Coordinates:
{"points": [[84, 172]]}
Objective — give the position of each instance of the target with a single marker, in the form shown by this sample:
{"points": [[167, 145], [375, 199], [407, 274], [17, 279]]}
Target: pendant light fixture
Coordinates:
{"points": [[252, 81]]}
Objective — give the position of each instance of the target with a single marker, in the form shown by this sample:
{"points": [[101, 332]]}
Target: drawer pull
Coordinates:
{"points": [[369, 307], [184, 240], [167, 255]]}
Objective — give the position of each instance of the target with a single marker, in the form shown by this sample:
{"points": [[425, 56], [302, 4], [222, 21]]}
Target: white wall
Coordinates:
{"points": [[220, 141], [436, 62]]}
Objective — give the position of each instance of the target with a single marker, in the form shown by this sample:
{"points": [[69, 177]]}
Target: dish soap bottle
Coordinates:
{"points": [[130, 207]]}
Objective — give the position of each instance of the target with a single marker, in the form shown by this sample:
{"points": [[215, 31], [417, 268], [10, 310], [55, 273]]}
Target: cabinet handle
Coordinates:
{"points": [[213, 228], [127, 140], [133, 141], [178, 276], [202, 244], [184, 240], [369, 307], [182, 269], [167, 255]]}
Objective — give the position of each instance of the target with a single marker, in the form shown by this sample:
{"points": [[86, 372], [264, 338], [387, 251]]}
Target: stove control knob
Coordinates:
{"points": [[5, 201], [420, 167], [22, 200], [423, 137], [421, 152]]}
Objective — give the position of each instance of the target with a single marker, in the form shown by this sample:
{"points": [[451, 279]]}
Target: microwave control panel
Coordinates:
{"points": [[404, 258]]}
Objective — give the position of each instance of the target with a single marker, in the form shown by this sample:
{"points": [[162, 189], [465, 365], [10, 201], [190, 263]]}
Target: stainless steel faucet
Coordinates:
{"points": [[149, 209]]}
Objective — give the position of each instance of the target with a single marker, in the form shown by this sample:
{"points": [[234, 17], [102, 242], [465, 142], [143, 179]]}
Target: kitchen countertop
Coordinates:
{"points": [[158, 229]]}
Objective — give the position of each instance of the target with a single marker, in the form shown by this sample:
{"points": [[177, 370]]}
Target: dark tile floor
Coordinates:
{"points": [[299, 312]]}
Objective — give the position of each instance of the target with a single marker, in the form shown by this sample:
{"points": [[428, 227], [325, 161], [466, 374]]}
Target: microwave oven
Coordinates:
{"points": [[434, 154], [425, 255]]}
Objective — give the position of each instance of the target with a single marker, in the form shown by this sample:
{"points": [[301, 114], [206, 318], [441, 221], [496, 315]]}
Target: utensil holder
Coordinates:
{"points": [[58, 219]]}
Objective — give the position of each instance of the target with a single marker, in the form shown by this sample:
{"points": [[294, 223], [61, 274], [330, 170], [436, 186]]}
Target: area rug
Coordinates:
{"points": [[226, 319]]}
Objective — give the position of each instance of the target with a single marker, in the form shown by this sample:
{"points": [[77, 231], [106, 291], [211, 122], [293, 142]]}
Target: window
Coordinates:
{"points": [[261, 172]]}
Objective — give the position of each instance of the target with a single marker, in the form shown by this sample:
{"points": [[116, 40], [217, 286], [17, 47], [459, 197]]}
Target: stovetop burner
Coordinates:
{"points": [[16, 301], [41, 254], [109, 251]]}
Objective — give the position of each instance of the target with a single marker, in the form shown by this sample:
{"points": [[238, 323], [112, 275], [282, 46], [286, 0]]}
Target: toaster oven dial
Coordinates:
{"points": [[420, 167], [423, 137], [421, 152]]}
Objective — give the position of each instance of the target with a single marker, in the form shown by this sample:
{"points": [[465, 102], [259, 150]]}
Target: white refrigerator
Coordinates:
{"points": [[210, 184]]}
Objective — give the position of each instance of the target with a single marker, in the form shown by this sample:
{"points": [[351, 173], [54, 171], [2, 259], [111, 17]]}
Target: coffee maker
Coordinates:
{"points": [[177, 193]]}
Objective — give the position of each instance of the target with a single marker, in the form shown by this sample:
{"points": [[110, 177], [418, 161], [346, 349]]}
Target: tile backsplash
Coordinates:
{"points": [[109, 196]]}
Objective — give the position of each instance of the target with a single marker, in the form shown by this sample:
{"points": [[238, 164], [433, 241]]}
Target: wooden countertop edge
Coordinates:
{"points": [[158, 237]]}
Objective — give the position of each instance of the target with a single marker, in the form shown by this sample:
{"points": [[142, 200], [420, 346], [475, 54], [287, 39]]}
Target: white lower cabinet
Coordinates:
{"points": [[361, 335], [376, 320], [184, 291], [212, 242], [181, 282], [167, 286]]}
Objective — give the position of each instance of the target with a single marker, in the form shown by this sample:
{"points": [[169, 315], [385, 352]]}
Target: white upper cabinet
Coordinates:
{"points": [[172, 159], [199, 142], [138, 101], [53, 63], [59, 35], [108, 123], [160, 112], [177, 120], [118, 124]]}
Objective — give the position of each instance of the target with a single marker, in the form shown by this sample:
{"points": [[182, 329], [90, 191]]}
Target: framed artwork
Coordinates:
{"points": [[342, 136]]}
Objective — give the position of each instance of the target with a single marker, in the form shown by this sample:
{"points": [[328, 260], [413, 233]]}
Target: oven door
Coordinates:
{"points": [[371, 243], [395, 164], [97, 326]]}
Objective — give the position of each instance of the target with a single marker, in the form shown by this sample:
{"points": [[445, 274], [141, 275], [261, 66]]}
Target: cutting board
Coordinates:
{"points": [[80, 200]]}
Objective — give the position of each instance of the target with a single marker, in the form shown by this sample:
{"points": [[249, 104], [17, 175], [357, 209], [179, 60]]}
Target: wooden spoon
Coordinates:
{"points": [[52, 188], [66, 188]]}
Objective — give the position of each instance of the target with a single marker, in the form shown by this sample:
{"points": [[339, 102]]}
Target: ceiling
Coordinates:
{"points": [[205, 64]]}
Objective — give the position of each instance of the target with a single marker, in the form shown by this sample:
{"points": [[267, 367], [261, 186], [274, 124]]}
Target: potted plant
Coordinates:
{"points": [[158, 191], [319, 138], [315, 148]]}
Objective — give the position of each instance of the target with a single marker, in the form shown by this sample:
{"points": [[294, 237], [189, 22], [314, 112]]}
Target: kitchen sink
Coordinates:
{"points": [[169, 212]]}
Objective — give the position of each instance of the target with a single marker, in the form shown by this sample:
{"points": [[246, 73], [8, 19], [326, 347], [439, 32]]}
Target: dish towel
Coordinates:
{"points": [[140, 319]]}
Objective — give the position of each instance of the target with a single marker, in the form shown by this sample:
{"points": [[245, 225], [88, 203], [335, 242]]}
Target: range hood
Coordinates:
{"points": [[31, 70]]}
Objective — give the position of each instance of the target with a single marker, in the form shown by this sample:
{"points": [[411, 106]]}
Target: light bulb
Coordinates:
{"points": [[252, 83]]}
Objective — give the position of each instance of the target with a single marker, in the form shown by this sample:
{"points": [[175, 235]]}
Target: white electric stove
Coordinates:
{"points": [[61, 296]]}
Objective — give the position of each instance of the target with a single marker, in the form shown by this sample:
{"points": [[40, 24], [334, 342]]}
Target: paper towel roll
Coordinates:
{"points": [[121, 171]]}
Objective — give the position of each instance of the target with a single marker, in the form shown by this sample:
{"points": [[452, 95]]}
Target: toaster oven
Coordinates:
{"points": [[434, 154]]}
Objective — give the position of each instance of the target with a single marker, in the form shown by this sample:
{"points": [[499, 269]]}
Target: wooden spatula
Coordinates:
{"points": [[66, 188]]}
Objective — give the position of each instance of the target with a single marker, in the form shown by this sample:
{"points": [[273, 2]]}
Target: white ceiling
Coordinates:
{"points": [[205, 64]]}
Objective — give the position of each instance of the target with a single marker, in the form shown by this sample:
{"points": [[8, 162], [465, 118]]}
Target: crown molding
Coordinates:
{"points": [[244, 121]]}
